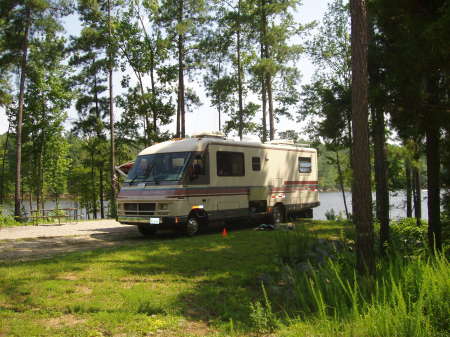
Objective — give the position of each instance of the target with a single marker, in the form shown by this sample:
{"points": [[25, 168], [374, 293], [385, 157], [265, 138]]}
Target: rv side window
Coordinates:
{"points": [[304, 165], [256, 164], [230, 164], [198, 171]]}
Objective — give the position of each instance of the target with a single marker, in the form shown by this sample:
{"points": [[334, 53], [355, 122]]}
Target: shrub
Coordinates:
{"points": [[7, 220], [407, 238], [262, 316], [330, 215]]}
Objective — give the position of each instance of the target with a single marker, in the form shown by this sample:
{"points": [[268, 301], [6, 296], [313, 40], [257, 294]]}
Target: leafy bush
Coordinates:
{"points": [[7, 220], [262, 316], [330, 215], [295, 246], [407, 238]]}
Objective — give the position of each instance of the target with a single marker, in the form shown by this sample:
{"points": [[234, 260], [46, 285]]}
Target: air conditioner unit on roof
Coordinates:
{"points": [[210, 134], [286, 142]]}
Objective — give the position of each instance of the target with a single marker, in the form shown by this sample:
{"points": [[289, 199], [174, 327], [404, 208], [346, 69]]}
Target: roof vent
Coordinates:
{"points": [[286, 142], [281, 142], [211, 134]]}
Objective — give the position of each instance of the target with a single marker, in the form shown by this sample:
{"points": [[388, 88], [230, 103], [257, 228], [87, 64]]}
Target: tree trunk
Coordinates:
{"points": [[23, 74], [30, 197], [239, 69], [264, 109], [341, 183], [177, 135], [362, 200], [42, 189], [382, 192], [94, 194], [101, 192], [111, 125], [433, 185], [270, 101], [153, 103], [39, 182], [263, 77], [181, 103], [417, 196], [350, 137], [219, 101], [5, 153], [408, 189]]}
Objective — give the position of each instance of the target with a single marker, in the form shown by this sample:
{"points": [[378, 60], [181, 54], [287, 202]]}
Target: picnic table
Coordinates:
{"points": [[57, 213]]}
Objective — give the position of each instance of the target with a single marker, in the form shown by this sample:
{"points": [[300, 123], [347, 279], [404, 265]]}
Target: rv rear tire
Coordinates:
{"points": [[278, 214], [146, 230]]}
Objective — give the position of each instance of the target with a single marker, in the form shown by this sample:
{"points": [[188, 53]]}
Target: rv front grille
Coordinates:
{"points": [[139, 208]]}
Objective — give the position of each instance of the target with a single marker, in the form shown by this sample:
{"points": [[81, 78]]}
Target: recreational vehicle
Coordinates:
{"points": [[191, 183]]}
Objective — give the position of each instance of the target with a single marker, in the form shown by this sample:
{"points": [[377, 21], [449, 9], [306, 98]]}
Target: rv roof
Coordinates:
{"points": [[200, 144]]}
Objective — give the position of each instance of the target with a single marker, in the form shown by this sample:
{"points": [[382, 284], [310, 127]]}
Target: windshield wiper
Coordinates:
{"points": [[132, 180], [150, 169]]}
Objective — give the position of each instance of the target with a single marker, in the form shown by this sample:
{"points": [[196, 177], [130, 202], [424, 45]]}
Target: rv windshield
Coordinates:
{"points": [[158, 167]]}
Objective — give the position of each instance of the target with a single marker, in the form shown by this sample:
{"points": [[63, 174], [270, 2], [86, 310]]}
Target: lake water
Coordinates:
{"points": [[328, 201], [397, 203], [62, 203]]}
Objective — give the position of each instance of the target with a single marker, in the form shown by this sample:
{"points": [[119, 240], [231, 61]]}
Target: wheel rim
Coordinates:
{"points": [[192, 226]]}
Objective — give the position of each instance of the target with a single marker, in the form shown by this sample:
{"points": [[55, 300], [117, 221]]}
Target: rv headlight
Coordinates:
{"points": [[163, 207]]}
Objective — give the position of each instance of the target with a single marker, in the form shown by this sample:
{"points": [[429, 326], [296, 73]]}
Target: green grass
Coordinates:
{"points": [[405, 300], [8, 221], [176, 286], [250, 283], [318, 293]]}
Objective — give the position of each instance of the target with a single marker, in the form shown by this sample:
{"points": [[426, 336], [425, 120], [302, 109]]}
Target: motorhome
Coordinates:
{"points": [[191, 183]]}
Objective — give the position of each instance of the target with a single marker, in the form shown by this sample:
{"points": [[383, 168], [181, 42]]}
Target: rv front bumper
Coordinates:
{"points": [[160, 222]]}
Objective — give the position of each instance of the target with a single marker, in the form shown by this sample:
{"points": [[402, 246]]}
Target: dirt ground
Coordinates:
{"points": [[44, 241]]}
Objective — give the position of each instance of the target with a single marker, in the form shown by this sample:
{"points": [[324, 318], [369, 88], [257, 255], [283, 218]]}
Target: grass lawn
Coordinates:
{"points": [[168, 286]]}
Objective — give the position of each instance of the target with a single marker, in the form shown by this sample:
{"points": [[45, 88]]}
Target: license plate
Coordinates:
{"points": [[154, 221]]}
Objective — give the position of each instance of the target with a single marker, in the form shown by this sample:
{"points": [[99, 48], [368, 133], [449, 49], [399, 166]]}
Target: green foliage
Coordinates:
{"points": [[262, 316], [295, 246], [328, 97], [409, 297], [7, 220], [144, 48], [330, 215], [58, 164], [406, 237]]}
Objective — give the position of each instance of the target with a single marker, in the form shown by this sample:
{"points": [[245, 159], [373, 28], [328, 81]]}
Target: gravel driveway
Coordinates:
{"points": [[35, 242]]}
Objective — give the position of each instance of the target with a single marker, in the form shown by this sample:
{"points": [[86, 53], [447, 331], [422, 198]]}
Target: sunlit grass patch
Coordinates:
{"points": [[175, 287]]}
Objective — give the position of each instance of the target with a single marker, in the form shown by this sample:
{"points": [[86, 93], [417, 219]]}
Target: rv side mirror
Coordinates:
{"points": [[196, 168], [193, 172]]}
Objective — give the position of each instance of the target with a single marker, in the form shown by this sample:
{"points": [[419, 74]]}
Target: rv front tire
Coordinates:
{"points": [[192, 226]]}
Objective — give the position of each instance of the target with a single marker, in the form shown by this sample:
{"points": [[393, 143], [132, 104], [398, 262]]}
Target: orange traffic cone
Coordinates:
{"points": [[224, 232]]}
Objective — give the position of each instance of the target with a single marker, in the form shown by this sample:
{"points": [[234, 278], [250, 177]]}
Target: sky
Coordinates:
{"points": [[205, 118]]}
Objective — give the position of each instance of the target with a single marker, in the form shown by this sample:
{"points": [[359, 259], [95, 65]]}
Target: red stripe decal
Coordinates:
{"points": [[297, 182], [185, 192]]}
